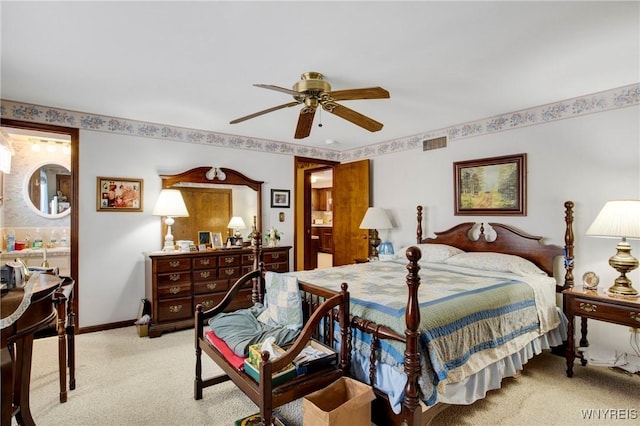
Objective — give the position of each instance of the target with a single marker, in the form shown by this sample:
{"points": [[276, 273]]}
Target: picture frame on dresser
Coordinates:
{"points": [[491, 186], [116, 194], [216, 240]]}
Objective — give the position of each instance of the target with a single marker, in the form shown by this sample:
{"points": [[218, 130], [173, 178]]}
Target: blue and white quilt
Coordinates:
{"points": [[469, 318]]}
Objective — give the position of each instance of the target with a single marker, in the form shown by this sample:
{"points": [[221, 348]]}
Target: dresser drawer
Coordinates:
{"points": [[174, 278], [242, 300], [247, 259], [205, 262], [174, 309], [229, 273], [205, 275], [626, 315], [173, 264], [181, 289], [227, 260], [213, 286], [276, 257], [277, 267]]}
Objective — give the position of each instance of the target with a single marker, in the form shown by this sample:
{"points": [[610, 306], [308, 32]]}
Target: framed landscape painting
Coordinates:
{"points": [[491, 186]]}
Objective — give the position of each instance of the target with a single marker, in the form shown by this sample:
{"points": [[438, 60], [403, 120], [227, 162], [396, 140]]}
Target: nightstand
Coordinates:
{"points": [[595, 304]]}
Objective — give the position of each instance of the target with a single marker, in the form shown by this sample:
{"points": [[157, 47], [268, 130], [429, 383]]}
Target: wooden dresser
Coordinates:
{"points": [[176, 282]]}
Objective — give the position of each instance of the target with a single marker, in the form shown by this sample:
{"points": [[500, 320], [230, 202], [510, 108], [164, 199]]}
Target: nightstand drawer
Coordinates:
{"points": [[213, 286], [276, 257], [174, 309], [173, 264], [603, 311], [277, 267]]}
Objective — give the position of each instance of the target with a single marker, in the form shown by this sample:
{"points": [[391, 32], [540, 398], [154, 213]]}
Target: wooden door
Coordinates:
{"points": [[351, 191]]}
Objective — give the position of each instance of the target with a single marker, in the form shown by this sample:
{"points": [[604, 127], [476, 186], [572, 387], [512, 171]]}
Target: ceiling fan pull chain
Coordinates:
{"points": [[320, 117]]}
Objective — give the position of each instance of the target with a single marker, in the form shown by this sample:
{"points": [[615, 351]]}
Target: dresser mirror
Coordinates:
{"points": [[213, 195], [47, 190]]}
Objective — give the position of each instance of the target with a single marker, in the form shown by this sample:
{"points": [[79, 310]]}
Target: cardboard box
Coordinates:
{"points": [[345, 402], [316, 356], [278, 378]]}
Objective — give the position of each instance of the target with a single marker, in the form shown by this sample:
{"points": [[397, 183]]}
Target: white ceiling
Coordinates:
{"points": [[192, 64]]}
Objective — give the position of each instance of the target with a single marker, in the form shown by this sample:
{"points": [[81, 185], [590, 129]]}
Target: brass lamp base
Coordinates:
{"points": [[623, 262], [375, 242]]}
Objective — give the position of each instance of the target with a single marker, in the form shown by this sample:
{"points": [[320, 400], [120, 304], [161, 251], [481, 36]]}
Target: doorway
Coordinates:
{"points": [[36, 130]]}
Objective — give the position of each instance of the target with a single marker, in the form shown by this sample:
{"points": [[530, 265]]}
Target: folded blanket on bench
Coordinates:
{"points": [[241, 328]]}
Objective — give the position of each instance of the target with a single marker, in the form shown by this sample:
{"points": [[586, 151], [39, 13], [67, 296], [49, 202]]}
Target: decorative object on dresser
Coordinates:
{"points": [[596, 305], [236, 223], [491, 186], [620, 218], [176, 282], [170, 204], [375, 218]]}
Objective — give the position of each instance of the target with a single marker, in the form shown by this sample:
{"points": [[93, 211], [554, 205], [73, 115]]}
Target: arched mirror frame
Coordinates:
{"points": [[27, 194], [206, 175]]}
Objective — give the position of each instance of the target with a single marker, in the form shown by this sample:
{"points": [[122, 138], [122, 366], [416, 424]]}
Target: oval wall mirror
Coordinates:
{"points": [[47, 190]]}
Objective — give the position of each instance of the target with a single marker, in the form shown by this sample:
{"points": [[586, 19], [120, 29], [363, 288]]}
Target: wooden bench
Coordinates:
{"points": [[319, 317]]}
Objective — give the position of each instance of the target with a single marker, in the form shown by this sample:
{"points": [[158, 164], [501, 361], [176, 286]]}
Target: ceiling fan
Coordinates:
{"points": [[312, 90]]}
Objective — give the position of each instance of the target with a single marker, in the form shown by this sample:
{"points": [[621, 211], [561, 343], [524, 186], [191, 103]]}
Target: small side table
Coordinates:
{"points": [[595, 304]]}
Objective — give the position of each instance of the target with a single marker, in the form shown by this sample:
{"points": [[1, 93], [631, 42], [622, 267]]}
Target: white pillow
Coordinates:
{"points": [[499, 262], [282, 301], [434, 253]]}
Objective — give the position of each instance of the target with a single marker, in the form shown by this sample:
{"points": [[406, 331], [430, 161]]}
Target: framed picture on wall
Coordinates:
{"points": [[491, 186], [280, 198], [118, 194]]}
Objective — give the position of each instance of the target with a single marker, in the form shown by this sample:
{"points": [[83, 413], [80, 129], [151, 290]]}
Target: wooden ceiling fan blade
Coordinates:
{"points": [[355, 117], [305, 122], [364, 93], [265, 111], [279, 89]]}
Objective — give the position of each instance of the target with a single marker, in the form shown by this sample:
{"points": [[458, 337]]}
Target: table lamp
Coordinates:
{"points": [[620, 218], [237, 223], [375, 218], [170, 204]]}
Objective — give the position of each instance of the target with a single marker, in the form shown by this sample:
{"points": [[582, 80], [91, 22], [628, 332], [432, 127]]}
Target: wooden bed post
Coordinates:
{"points": [[411, 413], [257, 288], [568, 245]]}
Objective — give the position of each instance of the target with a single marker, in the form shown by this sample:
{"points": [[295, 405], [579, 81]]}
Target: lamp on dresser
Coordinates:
{"points": [[170, 204], [375, 218], [620, 218], [236, 223]]}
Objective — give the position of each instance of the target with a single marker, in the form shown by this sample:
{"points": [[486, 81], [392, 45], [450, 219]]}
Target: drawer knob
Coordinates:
{"points": [[275, 256], [204, 261], [228, 259], [207, 303], [212, 286], [228, 271], [205, 274], [588, 307], [635, 316], [175, 290], [174, 263], [175, 308], [275, 267], [174, 277]]}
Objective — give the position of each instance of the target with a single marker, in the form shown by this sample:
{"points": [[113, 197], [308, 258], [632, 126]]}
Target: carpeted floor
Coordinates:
{"points": [[123, 379]]}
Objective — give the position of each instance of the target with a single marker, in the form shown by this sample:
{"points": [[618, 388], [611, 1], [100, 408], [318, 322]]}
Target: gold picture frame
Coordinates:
{"points": [[116, 194], [491, 186]]}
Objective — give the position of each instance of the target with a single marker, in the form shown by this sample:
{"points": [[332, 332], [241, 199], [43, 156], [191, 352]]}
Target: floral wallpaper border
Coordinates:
{"points": [[598, 102]]}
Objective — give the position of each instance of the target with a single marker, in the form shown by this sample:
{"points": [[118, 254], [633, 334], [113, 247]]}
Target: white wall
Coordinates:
{"points": [[111, 244], [589, 160]]}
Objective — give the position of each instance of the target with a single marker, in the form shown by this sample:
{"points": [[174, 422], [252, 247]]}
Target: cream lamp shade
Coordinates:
{"points": [[170, 204], [375, 218], [237, 223], [621, 219]]}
